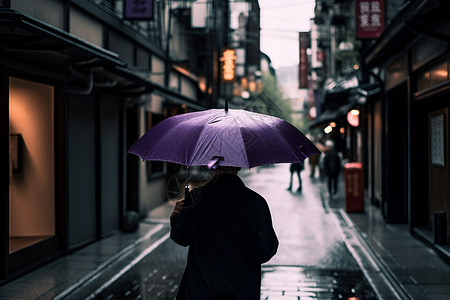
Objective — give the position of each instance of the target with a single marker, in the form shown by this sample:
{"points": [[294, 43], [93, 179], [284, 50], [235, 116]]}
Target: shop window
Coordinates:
{"points": [[433, 77], [154, 168], [396, 72], [31, 153], [426, 50]]}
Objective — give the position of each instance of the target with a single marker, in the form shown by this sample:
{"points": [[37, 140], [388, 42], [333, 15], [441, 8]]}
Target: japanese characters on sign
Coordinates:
{"points": [[369, 18], [228, 65], [138, 9]]}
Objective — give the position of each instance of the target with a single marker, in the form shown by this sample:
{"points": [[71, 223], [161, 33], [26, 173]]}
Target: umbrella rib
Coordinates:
{"points": [[246, 157]]}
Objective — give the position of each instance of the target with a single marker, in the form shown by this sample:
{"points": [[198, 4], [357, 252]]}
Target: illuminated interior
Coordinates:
{"points": [[31, 185]]}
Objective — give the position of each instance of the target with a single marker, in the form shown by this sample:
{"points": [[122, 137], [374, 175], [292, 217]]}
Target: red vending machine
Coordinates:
{"points": [[354, 192]]}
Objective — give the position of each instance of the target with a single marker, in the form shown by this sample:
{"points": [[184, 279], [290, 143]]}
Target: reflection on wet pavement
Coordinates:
{"points": [[291, 282]]}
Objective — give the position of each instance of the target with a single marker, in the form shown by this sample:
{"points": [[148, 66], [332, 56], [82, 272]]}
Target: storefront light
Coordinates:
{"points": [[354, 112], [252, 86], [353, 117], [245, 94], [244, 83], [202, 84]]}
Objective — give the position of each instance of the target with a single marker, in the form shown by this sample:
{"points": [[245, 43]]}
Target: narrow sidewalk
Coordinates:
{"points": [[73, 272], [417, 269]]}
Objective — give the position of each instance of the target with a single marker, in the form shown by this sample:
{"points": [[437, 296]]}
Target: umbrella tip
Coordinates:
{"points": [[226, 104]]}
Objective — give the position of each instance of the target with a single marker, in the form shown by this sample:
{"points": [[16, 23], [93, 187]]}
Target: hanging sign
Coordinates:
{"points": [[369, 18], [303, 70], [138, 9], [228, 65]]}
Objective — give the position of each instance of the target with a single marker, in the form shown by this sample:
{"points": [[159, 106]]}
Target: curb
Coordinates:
{"points": [[108, 264], [381, 264]]}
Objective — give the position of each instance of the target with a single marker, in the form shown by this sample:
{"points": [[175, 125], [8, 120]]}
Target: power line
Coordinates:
{"points": [[296, 3], [280, 37], [281, 30]]}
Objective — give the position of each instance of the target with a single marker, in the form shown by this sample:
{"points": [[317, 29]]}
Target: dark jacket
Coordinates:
{"points": [[296, 167], [332, 163], [229, 233]]}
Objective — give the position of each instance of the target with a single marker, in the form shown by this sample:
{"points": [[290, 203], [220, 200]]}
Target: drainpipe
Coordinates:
{"points": [[168, 37]]}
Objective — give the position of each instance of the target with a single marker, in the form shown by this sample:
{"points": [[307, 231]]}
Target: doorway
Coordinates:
{"points": [[32, 169]]}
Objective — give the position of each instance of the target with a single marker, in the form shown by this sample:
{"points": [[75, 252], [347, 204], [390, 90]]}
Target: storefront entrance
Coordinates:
{"points": [[32, 166]]}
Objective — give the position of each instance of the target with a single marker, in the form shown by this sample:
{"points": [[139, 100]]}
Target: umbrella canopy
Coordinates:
{"points": [[221, 137]]}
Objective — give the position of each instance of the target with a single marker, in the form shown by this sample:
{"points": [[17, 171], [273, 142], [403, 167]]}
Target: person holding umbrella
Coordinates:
{"points": [[227, 226], [228, 229]]}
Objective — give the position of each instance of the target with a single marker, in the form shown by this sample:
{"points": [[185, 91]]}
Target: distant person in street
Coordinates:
{"points": [[296, 168], [332, 167], [228, 228], [313, 162]]}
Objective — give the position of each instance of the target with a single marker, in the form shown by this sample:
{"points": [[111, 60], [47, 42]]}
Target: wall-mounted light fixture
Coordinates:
{"points": [[353, 117]]}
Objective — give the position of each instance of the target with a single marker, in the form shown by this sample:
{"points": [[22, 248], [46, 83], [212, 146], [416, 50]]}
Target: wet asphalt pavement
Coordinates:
{"points": [[313, 260]]}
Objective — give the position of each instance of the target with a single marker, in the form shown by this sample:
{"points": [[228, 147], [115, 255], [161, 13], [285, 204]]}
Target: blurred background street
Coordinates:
{"points": [[366, 81]]}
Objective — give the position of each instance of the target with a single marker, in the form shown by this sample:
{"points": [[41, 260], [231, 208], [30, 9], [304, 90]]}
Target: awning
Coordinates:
{"points": [[331, 115], [353, 97], [27, 42], [157, 89], [364, 92], [31, 46], [416, 18]]}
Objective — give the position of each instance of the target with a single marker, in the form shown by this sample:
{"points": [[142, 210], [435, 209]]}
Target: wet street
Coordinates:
{"points": [[313, 259]]}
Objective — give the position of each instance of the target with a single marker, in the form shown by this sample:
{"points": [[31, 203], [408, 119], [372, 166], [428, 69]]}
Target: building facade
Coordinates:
{"points": [[409, 119], [81, 81], [399, 85]]}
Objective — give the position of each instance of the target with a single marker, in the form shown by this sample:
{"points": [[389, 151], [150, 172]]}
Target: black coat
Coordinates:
{"points": [[332, 163], [229, 233]]}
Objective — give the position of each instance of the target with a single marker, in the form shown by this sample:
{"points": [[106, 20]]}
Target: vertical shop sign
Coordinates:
{"points": [[437, 140], [228, 65], [138, 9], [369, 18], [304, 41]]}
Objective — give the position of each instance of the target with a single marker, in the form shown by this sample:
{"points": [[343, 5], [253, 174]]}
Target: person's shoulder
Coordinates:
{"points": [[254, 195]]}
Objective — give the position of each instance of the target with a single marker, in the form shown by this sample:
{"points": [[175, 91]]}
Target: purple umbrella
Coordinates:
{"points": [[218, 137]]}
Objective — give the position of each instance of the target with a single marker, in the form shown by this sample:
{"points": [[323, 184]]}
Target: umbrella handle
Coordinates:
{"points": [[186, 187]]}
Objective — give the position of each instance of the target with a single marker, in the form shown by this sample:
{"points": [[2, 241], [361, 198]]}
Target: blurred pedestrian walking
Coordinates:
{"points": [[313, 162], [296, 168], [228, 228], [332, 167]]}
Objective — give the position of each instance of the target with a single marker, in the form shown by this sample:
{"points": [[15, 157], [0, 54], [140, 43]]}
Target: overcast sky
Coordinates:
{"points": [[281, 20]]}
